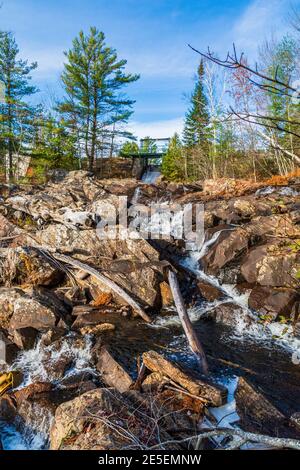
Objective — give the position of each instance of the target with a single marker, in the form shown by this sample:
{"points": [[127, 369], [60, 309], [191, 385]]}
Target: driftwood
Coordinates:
{"points": [[214, 395], [83, 310], [239, 438], [106, 281], [193, 339]]}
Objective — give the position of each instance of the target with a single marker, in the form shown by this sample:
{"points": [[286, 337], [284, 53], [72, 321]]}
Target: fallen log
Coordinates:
{"points": [[103, 279], [214, 395], [193, 339], [83, 310]]}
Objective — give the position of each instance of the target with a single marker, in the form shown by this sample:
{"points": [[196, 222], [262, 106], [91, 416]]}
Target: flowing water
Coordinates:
{"points": [[264, 353], [151, 176]]}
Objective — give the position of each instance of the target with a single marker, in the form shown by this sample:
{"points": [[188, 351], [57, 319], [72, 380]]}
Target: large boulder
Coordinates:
{"points": [[269, 266], [25, 265], [73, 418], [273, 301], [105, 419], [132, 264], [34, 308], [229, 246], [232, 244]]}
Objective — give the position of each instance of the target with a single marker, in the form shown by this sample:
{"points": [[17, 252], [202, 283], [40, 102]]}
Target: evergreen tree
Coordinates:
{"points": [[93, 80], [54, 148], [173, 164], [16, 116], [129, 147], [197, 119], [148, 145]]}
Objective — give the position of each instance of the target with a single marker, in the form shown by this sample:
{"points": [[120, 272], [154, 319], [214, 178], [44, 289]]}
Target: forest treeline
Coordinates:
{"points": [[241, 122], [83, 125]]}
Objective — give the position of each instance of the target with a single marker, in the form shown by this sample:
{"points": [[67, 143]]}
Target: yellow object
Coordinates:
{"points": [[6, 382], [10, 380]]}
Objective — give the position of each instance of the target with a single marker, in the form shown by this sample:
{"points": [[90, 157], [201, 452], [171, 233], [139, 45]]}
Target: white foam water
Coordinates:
{"points": [[36, 363], [226, 415], [273, 333], [151, 176]]}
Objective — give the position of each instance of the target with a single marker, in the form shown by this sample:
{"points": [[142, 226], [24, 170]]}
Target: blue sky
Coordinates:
{"points": [[152, 35]]}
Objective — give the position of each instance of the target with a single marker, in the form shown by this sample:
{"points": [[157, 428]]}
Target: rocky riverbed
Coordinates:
{"points": [[94, 373]]}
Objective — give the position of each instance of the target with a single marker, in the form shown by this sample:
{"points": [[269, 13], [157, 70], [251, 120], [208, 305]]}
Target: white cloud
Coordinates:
{"points": [[156, 129], [258, 21], [164, 62], [50, 61]]}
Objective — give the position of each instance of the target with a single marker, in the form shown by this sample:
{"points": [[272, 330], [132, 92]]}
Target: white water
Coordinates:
{"points": [[151, 176], [136, 196], [39, 364], [274, 333], [283, 191]]}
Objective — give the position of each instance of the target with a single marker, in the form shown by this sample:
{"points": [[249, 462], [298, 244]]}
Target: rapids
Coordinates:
{"points": [[264, 352]]}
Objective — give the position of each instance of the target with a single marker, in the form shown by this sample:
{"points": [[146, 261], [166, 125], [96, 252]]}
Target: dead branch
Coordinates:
{"points": [[103, 279], [241, 436], [279, 147], [247, 117], [233, 61], [193, 339]]}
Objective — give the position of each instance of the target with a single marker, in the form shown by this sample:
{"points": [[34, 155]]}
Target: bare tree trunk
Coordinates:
{"points": [[294, 157], [193, 339]]}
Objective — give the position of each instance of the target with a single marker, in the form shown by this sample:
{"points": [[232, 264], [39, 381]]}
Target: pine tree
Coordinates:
{"points": [[173, 164], [93, 80], [197, 118], [129, 148], [148, 145], [54, 147], [16, 116]]}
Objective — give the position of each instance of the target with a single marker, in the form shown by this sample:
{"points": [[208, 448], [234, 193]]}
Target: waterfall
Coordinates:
{"points": [[39, 364], [151, 176]]}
